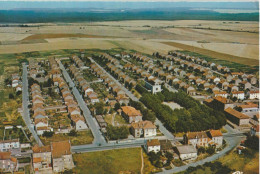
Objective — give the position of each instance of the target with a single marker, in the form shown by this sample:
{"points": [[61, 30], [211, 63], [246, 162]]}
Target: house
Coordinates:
{"points": [[61, 156], [191, 91], [42, 159], [143, 129], [78, 122], [216, 137], [249, 109], [187, 152], [223, 94], [236, 117], [246, 85], [240, 95], [254, 95], [131, 114], [152, 146], [166, 146], [8, 145], [8, 163], [196, 139]]}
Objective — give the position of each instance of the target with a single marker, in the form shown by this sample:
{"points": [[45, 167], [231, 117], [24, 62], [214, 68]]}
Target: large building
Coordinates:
{"points": [[7, 145], [236, 117]]}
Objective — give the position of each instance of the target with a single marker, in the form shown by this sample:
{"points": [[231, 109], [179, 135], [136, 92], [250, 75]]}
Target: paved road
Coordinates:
{"points": [[98, 137], [232, 142], [128, 93], [157, 122], [110, 146], [26, 115]]}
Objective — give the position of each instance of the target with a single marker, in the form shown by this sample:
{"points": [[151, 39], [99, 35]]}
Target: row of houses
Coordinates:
{"points": [[78, 121], [39, 115], [83, 85], [229, 82], [53, 158], [16, 82], [116, 90]]}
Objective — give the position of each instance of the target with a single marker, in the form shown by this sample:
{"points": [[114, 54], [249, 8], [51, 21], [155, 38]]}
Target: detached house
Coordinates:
{"points": [[152, 145], [131, 114], [187, 152], [143, 129]]}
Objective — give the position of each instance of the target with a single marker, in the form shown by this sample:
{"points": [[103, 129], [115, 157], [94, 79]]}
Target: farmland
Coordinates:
{"points": [[235, 41]]}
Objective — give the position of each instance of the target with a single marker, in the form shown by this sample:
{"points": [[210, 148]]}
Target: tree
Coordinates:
{"points": [[11, 96], [117, 106], [210, 150], [73, 133], [99, 108], [116, 133], [18, 93], [47, 134], [252, 142]]}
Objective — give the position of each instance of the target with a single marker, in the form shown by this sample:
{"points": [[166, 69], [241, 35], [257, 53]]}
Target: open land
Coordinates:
{"points": [[111, 161], [226, 40]]}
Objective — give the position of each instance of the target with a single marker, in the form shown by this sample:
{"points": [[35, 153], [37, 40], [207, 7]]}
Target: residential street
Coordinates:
{"points": [[26, 115], [232, 142], [130, 95], [98, 137]]}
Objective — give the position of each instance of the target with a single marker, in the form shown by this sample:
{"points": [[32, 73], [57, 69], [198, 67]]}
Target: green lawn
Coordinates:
{"points": [[110, 161]]}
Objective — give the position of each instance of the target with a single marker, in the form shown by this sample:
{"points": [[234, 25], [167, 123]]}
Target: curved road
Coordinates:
{"points": [[232, 142]]}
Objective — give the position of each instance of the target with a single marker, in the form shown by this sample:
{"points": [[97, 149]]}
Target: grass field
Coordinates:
{"points": [[83, 137], [242, 163], [214, 54], [110, 161]]}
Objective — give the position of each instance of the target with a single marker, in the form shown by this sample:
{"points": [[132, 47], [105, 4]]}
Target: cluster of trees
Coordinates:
{"points": [[215, 167], [47, 134], [155, 159], [116, 133], [252, 142], [210, 150], [147, 114], [193, 117]]}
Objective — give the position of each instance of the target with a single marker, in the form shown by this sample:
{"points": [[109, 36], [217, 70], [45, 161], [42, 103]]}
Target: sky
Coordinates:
{"points": [[116, 4]]}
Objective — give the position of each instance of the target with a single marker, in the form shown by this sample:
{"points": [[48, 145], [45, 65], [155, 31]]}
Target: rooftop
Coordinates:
{"points": [[236, 113], [60, 148], [185, 149]]}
